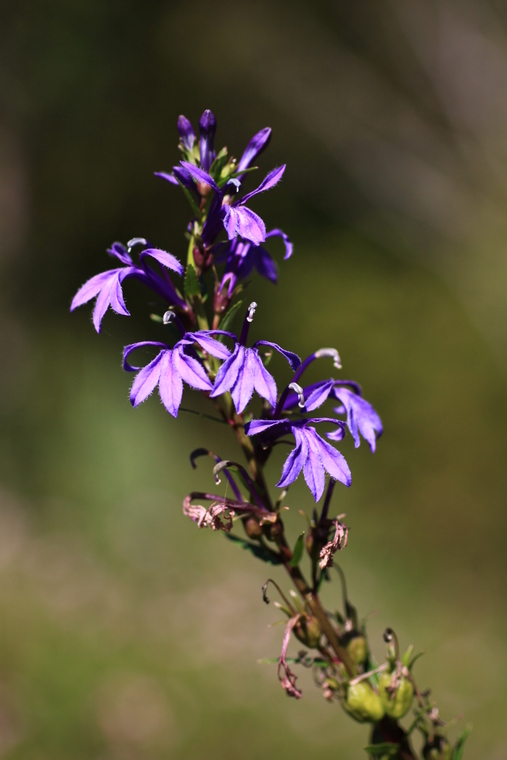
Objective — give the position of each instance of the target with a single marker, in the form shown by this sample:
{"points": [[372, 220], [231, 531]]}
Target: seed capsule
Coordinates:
{"points": [[397, 703], [363, 704], [308, 631]]}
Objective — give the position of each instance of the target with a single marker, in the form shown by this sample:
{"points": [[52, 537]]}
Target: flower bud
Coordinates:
{"points": [[396, 698], [252, 528], [362, 703], [308, 631], [221, 299], [437, 748]]}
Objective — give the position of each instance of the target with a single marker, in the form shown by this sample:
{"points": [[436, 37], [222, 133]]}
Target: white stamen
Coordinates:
{"points": [[136, 241], [297, 389], [168, 316], [251, 311], [330, 353]]}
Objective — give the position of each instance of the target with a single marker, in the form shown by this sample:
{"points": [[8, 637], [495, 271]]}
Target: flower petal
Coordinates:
{"points": [[257, 144], [170, 386], [263, 382], [294, 462], [228, 372], [146, 380], [288, 245], [163, 257], [361, 417], [201, 176], [191, 371], [292, 358], [269, 181], [243, 387], [91, 288]]}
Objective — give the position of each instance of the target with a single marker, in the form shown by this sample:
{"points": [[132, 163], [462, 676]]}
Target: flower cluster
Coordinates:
{"points": [[226, 232]]}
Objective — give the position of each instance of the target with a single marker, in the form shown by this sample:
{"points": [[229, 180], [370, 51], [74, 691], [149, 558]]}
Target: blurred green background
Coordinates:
{"points": [[126, 633]]}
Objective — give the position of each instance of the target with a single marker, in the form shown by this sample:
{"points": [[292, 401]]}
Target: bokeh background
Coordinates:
{"points": [[126, 633]]}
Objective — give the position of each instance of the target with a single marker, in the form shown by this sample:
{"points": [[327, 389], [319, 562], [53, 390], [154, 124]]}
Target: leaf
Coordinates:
{"points": [[297, 554], [192, 288], [377, 750], [229, 316], [261, 552], [457, 752], [193, 204]]}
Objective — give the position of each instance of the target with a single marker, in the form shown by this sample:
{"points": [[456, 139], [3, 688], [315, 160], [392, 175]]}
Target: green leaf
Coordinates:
{"points": [[297, 554], [382, 750], [261, 552], [192, 287], [458, 750], [229, 316], [193, 204]]}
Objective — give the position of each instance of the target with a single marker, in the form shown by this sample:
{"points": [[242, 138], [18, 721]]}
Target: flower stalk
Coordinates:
{"points": [[227, 243]]}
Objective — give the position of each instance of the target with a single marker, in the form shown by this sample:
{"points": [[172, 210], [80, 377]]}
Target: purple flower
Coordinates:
{"points": [[312, 454], [361, 416], [107, 286], [241, 257], [243, 372], [236, 218], [207, 128], [171, 367]]}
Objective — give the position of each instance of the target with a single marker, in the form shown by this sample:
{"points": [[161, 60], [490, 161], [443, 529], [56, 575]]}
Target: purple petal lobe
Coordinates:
{"points": [[170, 386], [269, 181], [201, 176], [263, 382], [292, 358], [229, 371], [164, 258], [91, 288], [257, 144], [288, 245], [294, 463], [314, 471], [361, 417], [133, 347], [168, 177], [240, 221], [191, 371], [146, 380], [210, 345]]}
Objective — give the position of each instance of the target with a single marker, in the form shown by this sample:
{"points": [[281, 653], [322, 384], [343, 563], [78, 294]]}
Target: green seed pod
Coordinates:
{"points": [[438, 748], [362, 703], [308, 631], [396, 704], [357, 648]]}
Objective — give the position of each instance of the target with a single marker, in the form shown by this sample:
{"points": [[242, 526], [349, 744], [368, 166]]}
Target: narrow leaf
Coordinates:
{"points": [[458, 750], [229, 316], [297, 554], [261, 552], [192, 288], [377, 750]]}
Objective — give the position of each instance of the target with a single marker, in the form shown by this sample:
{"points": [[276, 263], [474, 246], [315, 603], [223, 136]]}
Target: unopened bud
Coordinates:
{"points": [[438, 748], [204, 189], [221, 299]]}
